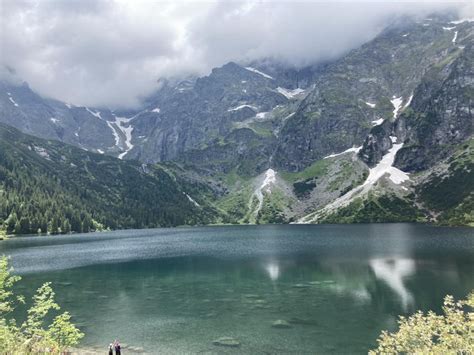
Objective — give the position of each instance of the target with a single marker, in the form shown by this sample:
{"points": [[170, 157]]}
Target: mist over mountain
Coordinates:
{"points": [[111, 53]]}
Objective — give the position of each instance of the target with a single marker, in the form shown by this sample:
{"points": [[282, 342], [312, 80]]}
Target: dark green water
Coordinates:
{"points": [[177, 290]]}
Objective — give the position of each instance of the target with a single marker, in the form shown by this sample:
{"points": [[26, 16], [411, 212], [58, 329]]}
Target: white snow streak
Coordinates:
{"points": [[100, 151], [241, 107], [290, 94], [259, 72], [268, 181], [370, 104], [11, 99], [114, 132], [127, 131], [261, 115], [449, 28], [455, 37], [96, 114], [156, 110], [463, 20], [54, 120], [192, 200], [123, 125], [350, 150], [377, 122], [397, 103], [408, 102]]}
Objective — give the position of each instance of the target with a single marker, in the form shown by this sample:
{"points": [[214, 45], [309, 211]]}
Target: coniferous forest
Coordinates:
{"points": [[50, 187]]}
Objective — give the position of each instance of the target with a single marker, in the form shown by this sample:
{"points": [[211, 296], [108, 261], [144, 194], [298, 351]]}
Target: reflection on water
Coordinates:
{"points": [[176, 291], [273, 271], [393, 271]]}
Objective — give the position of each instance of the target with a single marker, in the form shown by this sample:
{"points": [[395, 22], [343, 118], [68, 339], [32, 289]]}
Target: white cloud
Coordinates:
{"points": [[104, 52]]}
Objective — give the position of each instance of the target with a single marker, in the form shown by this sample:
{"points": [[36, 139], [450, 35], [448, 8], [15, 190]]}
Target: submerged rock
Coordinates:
{"points": [[281, 324], [227, 341], [301, 286], [64, 283], [303, 321]]}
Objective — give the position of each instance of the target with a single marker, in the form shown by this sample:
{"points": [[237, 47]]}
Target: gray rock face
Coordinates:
{"points": [[357, 89], [441, 114], [86, 128], [203, 113]]}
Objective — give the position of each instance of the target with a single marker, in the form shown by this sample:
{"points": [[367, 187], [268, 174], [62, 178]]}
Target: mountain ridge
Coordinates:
{"points": [[363, 138]]}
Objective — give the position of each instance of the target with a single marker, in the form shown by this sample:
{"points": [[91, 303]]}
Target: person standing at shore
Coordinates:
{"points": [[117, 348], [111, 349]]}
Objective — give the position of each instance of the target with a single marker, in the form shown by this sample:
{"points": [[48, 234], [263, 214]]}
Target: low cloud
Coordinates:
{"points": [[111, 53]]}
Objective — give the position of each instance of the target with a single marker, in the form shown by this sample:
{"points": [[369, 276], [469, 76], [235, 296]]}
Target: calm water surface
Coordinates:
{"points": [[177, 290]]}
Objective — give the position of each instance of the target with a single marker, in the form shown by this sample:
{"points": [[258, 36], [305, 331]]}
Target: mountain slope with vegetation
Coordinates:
{"points": [[50, 187], [379, 135]]}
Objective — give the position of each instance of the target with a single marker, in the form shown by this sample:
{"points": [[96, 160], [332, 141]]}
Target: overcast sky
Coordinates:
{"points": [[110, 53]]}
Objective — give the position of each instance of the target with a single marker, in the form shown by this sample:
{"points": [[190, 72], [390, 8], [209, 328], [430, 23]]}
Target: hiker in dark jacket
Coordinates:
{"points": [[117, 348], [111, 349]]}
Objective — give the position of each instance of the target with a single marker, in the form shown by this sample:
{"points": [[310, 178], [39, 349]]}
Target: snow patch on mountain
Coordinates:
{"points": [[397, 104], [156, 110], [241, 107], [114, 132], [192, 200], [269, 180], [350, 150], [96, 114], [378, 122], [125, 126], [449, 28], [122, 127], [455, 37], [370, 104], [253, 70], [261, 115], [385, 166], [290, 94], [408, 102], [12, 100], [54, 120], [463, 20]]}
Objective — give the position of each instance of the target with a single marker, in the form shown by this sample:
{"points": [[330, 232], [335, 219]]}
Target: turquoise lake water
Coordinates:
{"points": [[174, 291]]}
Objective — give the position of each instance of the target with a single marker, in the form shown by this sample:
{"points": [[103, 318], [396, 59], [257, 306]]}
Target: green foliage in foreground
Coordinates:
{"points": [[450, 333], [33, 335]]}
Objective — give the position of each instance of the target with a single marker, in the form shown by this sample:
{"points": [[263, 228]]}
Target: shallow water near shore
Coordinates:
{"points": [[332, 288]]}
